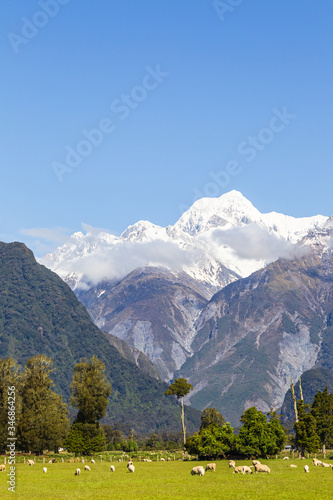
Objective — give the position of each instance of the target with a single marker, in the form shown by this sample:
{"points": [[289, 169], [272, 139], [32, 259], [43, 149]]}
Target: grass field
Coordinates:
{"points": [[169, 480]]}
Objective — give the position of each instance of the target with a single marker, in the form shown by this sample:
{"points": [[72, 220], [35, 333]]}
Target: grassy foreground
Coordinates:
{"points": [[169, 480]]}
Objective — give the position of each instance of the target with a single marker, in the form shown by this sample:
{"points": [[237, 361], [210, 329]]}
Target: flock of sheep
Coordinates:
{"points": [[199, 470], [257, 466]]}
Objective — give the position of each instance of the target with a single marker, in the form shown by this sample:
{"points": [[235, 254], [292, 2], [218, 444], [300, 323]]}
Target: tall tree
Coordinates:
{"points": [[90, 391], [306, 438], [10, 400], [180, 388], [44, 422], [322, 410]]}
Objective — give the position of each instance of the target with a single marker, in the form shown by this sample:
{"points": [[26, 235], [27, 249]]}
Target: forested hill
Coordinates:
{"points": [[39, 314]]}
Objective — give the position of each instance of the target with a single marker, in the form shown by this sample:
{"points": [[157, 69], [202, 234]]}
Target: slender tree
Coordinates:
{"points": [[43, 423], [10, 400], [322, 410], [180, 388], [306, 438], [90, 391]]}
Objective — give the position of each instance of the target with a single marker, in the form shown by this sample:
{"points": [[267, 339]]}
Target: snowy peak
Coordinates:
{"points": [[215, 242], [229, 210]]}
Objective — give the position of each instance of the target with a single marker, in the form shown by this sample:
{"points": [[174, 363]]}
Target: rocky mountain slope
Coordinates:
{"points": [[259, 331], [268, 319], [39, 314]]}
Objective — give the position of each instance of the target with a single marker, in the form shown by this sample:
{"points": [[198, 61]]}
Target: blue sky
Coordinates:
{"points": [[118, 111]]}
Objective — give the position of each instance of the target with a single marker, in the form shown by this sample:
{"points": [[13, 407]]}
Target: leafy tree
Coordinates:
{"points": [[306, 438], [44, 422], [9, 378], [180, 388], [211, 416], [322, 410], [259, 438], [90, 391], [212, 442]]}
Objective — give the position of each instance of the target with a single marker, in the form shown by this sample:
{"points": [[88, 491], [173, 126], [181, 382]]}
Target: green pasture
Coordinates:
{"points": [[168, 480]]}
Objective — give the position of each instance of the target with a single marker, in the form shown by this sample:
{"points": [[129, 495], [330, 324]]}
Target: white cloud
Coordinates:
{"points": [[58, 235], [255, 242]]}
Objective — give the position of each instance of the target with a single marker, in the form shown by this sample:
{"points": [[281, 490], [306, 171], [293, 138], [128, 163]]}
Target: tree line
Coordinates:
{"points": [[260, 435], [42, 418]]}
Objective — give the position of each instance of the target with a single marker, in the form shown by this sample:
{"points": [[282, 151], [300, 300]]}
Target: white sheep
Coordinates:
{"points": [[44, 470], [254, 462], [238, 470], [285, 458], [211, 466], [324, 464], [232, 463], [86, 467], [199, 470], [131, 468], [247, 470], [316, 462], [306, 468], [77, 472], [112, 468], [293, 466], [92, 461], [2, 467], [162, 459], [262, 468], [31, 462]]}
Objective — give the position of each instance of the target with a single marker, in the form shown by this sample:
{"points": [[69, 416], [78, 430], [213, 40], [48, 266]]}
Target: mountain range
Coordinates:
{"points": [[234, 300]]}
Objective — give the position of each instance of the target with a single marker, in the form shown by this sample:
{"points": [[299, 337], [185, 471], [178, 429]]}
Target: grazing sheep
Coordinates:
{"points": [[247, 470], [129, 463], [238, 470], [31, 462], [316, 462], [199, 470], [86, 467], [211, 466], [262, 468], [162, 459], [92, 461], [131, 468], [77, 472], [293, 465], [254, 462], [2, 467], [169, 459], [44, 470], [306, 468], [112, 468], [285, 458], [324, 464], [232, 463]]}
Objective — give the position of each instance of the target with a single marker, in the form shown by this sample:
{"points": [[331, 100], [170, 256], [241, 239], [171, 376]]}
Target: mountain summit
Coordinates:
{"points": [[216, 241]]}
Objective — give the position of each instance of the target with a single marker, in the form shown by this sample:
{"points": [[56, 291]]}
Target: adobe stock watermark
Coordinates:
{"points": [[121, 108], [248, 151], [223, 7], [30, 27], [11, 427]]}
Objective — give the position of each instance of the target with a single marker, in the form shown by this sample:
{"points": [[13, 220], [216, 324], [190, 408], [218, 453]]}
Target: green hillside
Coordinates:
{"points": [[39, 314]]}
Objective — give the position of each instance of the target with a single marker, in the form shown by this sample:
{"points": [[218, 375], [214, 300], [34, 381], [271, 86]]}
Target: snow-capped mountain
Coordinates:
{"points": [[216, 241]]}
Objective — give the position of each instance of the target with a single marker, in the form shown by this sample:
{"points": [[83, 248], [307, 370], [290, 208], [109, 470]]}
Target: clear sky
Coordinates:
{"points": [[116, 111]]}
